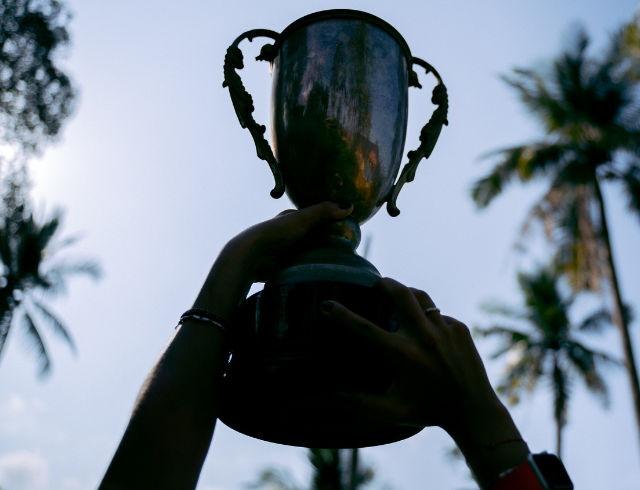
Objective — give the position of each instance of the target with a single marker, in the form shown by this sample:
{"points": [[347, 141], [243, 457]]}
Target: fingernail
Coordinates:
{"points": [[344, 205], [327, 306]]}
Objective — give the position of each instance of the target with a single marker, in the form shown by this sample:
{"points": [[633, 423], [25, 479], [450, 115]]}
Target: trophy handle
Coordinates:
{"points": [[243, 102], [428, 135]]}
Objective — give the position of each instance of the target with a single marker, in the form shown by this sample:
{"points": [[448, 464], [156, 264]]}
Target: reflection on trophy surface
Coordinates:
{"points": [[339, 110]]}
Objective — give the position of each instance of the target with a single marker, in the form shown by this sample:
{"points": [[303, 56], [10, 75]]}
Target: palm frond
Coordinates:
{"points": [[54, 247], [5, 326], [570, 75], [570, 224], [631, 179], [523, 162], [522, 375], [625, 44], [28, 252], [546, 307], [590, 357], [486, 189], [546, 212], [508, 347], [577, 236], [596, 384], [5, 249], [36, 344], [597, 321], [25, 246], [541, 158], [274, 479], [48, 229], [626, 134], [55, 324], [500, 309], [512, 335], [55, 276], [538, 97], [586, 363]]}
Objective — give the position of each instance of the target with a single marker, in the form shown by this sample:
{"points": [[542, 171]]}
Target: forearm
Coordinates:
{"points": [[168, 436], [171, 427]]}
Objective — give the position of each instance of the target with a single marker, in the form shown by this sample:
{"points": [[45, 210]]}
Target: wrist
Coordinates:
{"points": [[229, 279], [490, 441], [481, 423]]}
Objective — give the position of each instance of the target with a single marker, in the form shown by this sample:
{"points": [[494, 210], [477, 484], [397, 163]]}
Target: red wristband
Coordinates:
{"points": [[520, 478]]}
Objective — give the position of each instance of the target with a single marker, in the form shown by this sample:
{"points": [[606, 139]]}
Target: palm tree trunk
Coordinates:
{"points": [[620, 318], [559, 428], [559, 402], [353, 476]]}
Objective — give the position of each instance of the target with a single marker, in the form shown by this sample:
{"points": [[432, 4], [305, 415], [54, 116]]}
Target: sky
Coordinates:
{"points": [[155, 173]]}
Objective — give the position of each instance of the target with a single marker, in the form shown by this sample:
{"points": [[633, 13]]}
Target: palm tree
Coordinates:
{"points": [[26, 252], [547, 349], [329, 473], [591, 113]]}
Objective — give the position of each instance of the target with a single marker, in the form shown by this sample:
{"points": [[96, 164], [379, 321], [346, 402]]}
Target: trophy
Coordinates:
{"points": [[339, 108]]}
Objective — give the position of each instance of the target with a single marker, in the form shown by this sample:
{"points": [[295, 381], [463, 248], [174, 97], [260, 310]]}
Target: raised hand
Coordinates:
{"points": [[440, 380], [254, 254]]}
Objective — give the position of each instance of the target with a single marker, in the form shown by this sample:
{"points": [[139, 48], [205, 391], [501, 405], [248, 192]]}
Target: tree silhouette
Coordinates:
{"points": [[329, 472], [35, 94], [29, 270], [590, 110], [547, 348]]}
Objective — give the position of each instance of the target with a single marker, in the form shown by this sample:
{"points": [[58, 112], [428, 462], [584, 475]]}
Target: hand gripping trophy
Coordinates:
{"points": [[339, 108]]}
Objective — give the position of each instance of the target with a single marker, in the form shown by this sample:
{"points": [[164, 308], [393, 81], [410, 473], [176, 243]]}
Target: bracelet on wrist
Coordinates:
{"points": [[204, 316]]}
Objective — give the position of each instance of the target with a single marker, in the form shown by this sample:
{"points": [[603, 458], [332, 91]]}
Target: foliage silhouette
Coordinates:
{"points": [[547, 349], [36, 96], [27, 250], [590, 110], [329, 473]]}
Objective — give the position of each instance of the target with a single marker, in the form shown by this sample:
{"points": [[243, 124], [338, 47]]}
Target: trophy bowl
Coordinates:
{"points": [[339, 107]]}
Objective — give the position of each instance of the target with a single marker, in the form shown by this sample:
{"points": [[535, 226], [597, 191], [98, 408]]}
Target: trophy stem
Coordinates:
{"points": [[332, 257]]}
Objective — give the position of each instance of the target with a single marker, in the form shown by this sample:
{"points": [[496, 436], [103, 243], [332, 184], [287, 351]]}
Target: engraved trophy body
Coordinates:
{"points": [[338, 121]]}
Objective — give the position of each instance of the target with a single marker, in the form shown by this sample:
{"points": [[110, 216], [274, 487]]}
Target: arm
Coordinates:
{"points": [[168, 436], [440, 381]]}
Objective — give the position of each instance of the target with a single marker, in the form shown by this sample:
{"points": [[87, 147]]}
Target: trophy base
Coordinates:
{"points": [[289, 361]]}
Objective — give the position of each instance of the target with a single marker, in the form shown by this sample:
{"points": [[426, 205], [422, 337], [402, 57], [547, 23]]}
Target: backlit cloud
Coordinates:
{"points": [[23, 470], [19, 415]]}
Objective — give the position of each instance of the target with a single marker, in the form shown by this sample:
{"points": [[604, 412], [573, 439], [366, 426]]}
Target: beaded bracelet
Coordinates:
{"points": [[205, 316]]}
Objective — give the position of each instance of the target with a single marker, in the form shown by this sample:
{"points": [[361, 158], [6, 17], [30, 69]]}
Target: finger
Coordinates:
{"points": [[410, 312], [457, 326], [289, 228], [423, 298], [451, 321], [376, 337], [307, 218], [426, 302]]}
